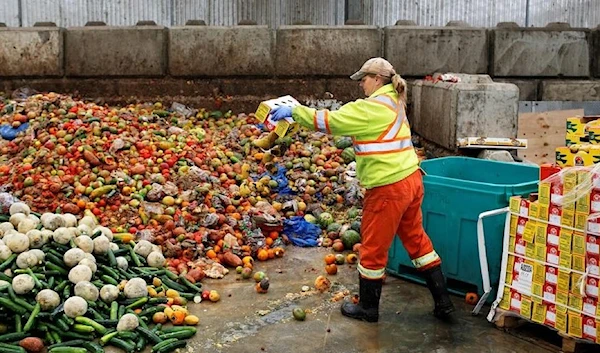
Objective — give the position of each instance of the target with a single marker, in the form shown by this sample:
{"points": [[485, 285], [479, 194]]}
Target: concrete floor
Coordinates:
{"points": [[245, 321]]}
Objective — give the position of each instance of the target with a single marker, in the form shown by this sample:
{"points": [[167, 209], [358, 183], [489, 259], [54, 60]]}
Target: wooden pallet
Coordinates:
{"points": [[510, 321]]}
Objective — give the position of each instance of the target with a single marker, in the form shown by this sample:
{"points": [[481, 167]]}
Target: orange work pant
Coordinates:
{"points": [[392, 210]]}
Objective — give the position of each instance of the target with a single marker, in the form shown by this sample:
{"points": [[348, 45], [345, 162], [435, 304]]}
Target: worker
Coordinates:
{"points": [[388, 168]]}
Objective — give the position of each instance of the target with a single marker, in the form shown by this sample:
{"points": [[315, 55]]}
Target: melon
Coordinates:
{"points": [[349, 238], [355, 226], [348, 155], [325, 219], [310, 218], [334, 227]]}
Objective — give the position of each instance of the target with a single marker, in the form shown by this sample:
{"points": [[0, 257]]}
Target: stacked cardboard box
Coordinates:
{"points": [[582, 142], [551, 248]]}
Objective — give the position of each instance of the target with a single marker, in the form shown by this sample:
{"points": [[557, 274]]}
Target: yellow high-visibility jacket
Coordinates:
{"points": [[380, 132]]}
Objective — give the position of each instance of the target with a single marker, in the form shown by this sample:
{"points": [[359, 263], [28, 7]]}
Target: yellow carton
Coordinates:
{"points": [[544, 191], [529, 233], [540, 233], [578, 263], [568, 218], [586, 155], [505, 302], [283, 127], [575, 324], [515, 204], [571, 139], [580, 220], [593, 134], [539, 313], [530, 250], [561, 320], [575, 282], [575, 301], [540, 254], [565, 241], [537, 291], [526, 307], [563, 280], [534, 209], [579, 125], [539, 273], [543, 213], [578, 246], [565, 260], [562, 298], [514, 223]]}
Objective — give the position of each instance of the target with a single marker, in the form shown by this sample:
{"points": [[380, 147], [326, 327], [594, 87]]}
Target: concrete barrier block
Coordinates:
{"points": [[420, 51], [551, 51], [31, 51], [325, 50], [220, 51], [477, 106], [575, 90], [116, 51], [528, 89]]}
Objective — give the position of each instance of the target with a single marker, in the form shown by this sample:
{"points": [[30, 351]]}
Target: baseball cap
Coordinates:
{"points": [[375, 66]]}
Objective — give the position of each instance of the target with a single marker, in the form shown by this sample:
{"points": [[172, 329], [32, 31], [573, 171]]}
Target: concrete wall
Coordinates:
{"points": [[558, 62], [423, 51]]}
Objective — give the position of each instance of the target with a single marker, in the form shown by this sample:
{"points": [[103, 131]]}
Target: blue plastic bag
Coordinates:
{"points": [[283, 186], [300, 232], [9, 133]]}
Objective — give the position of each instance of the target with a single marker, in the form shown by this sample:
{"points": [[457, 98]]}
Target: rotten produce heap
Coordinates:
{"points": [[190, 181]]}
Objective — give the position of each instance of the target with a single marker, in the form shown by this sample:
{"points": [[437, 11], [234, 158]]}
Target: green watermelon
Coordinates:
{"points": [[325, 219], [349, 238], [353, 213], [334, 227], [355, 226], [343, 142], [348, 155]]}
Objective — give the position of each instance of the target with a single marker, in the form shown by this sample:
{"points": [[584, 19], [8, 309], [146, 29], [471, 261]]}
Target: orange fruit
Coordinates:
{"points": [[329, 259], [263, 255], [331, 269], [471, 298]]}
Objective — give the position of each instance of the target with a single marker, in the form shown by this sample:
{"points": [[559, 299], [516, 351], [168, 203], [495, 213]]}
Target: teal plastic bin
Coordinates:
{"points": [[457, 190]]}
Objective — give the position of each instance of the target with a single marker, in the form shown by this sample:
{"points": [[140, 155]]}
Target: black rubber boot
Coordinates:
{"points": [[437, 286], [367, 308]]}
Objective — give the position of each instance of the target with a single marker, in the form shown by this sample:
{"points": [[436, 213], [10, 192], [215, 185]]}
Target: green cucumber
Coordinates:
{"points": [[137, 303], [172, 346], [91, 323], [93, 347], [68, 349], [119, 343], [151, 336], [162, 344], [11, 305], [114, 310], [71, 343], [11, 348], [32, 317], [12, 337]]}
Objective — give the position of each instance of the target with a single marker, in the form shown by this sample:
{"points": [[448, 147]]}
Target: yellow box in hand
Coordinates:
{"points": [[283, 127]]}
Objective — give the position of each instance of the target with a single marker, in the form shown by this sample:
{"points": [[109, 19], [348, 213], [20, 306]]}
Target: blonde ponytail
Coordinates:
{"points": [[400, 87]]}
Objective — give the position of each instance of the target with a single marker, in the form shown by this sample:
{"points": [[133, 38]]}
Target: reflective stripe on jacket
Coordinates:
{"points": [[380, 133]]}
